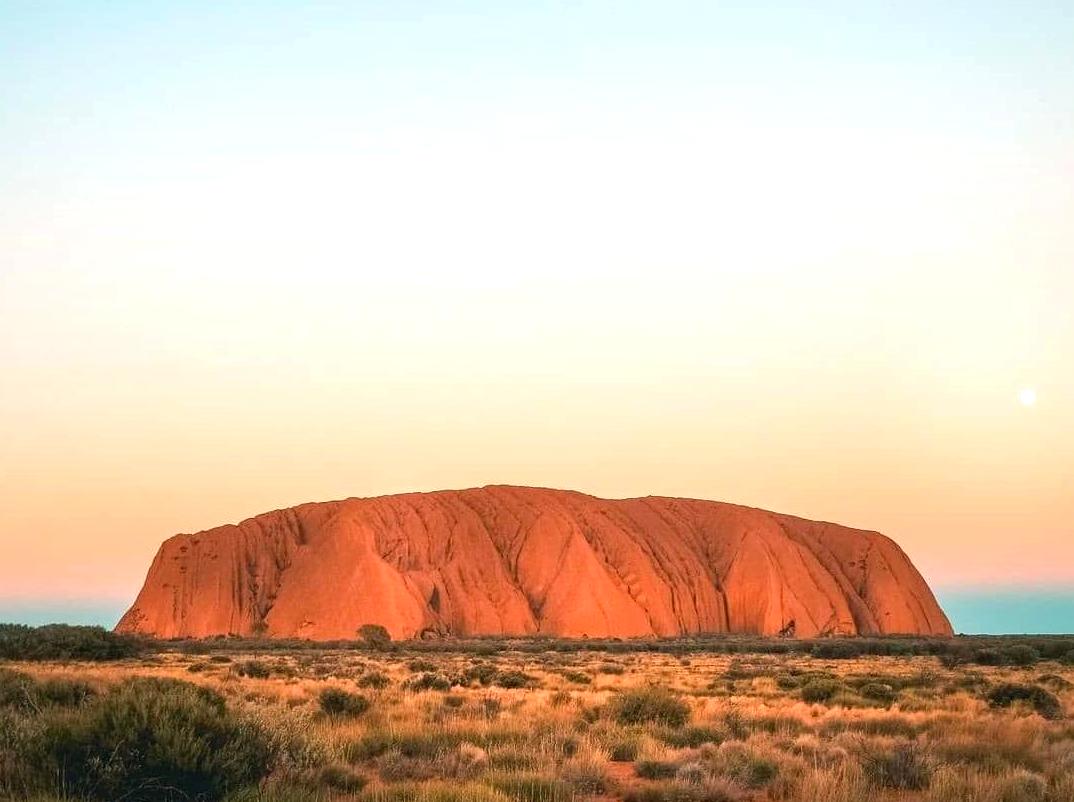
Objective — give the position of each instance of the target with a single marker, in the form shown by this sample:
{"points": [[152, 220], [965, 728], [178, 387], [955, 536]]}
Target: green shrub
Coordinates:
{"points": [[482, 673], [375, 636], [837, 649], [515, 679], [1043, 701], [151, 740], [586, 774], [988, 657], [338, 702], [955, 658], [692, 737], [1020, 655], [1055, 682], [624, 751], [254, 669], [428, 682], [708, 791], [878, 692], [21, 692], [438, 791], [531, 788], [340, 778], [1024, 786], [375, 680], [577, 677], [752, 771], [651, 705], [820, 690], [907, 768], [64, 692], [419, 665], [427, 744], [788, 682], [64, 642], [16, 689], [655, 769]]}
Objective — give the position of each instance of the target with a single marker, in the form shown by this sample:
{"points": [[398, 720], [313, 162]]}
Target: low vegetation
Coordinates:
{"points": [[231, 720], [64, 642]]}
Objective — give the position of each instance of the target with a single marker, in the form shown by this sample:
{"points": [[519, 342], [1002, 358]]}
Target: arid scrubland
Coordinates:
{"points": [[496, 724]]}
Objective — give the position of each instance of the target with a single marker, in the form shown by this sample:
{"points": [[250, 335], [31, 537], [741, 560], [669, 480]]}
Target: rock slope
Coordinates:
{"points": [[521, 561]]}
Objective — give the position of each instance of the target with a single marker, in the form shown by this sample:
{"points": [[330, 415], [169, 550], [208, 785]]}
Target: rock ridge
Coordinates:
{"points": [[505, 560]]}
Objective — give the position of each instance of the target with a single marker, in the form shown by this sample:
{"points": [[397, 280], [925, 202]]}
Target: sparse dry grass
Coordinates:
{"points": [[536, 727]]}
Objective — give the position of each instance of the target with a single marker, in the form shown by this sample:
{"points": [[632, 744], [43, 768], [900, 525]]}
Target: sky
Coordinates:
{"points": [[809, 258]]}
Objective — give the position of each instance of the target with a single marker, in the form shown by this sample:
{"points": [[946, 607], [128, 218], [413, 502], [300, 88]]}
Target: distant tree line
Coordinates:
{"points": [[64, 642], [1011, 650]]}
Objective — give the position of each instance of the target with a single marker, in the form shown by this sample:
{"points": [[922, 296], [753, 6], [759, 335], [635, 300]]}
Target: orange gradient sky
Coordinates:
{"points": [[718, 260]]}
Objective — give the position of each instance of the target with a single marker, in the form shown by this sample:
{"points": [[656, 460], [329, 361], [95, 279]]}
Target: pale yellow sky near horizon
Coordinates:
{"points": [[283, 274]]}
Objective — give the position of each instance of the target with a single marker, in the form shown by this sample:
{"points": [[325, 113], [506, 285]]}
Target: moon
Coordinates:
{"points": [[1027, 396]]}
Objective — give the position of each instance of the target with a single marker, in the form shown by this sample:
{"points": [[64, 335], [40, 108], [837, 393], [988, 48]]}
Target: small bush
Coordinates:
{"points": [[375, 636], [655, 769], [651, 706], [64, 692], [905, 768], [428, 682], [21, 692], [878, 692], [693, 737], [820, 690], [16, 689], [988, 657], [577, 677], [341, 703], [1055, 682], [149, 740], [1043, 701], [955, 658], [1021, 655], [531, 788], [436, 791], [419, 666], [340, 778], [481, 673], [755, 772], [254, 669], [375, 680], [515, 679], [624, 751], [837, 649], [707, 791], [64, 642], [585, 773], [394, 766], [1023, 786], [462, 762]]}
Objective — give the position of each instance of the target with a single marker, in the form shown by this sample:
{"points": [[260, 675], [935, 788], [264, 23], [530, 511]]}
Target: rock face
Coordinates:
{"points": [[521, 561]]}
